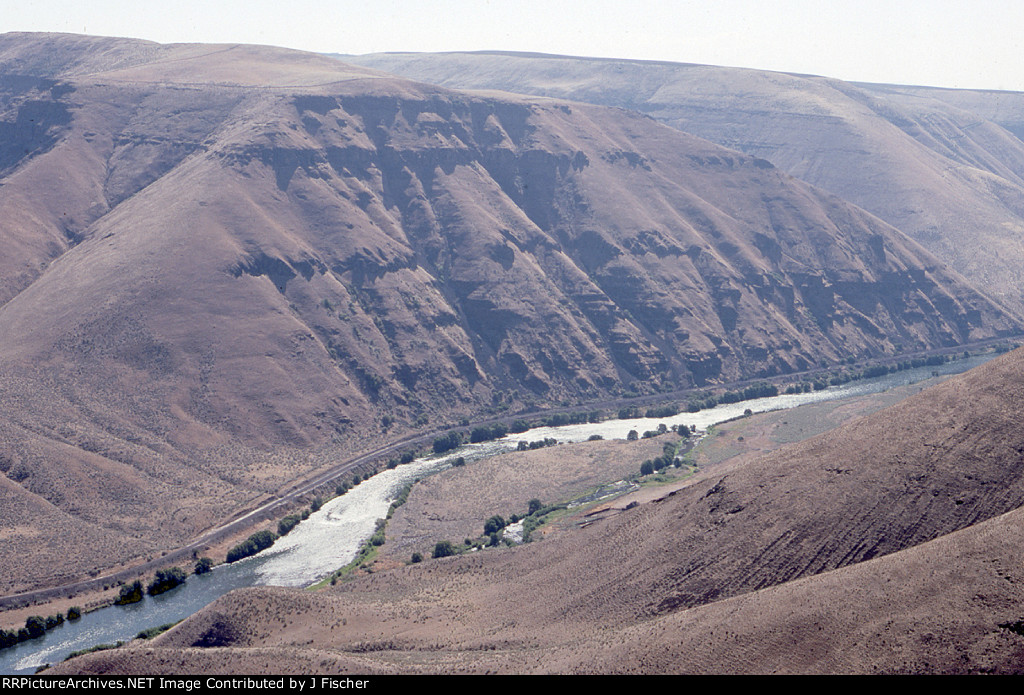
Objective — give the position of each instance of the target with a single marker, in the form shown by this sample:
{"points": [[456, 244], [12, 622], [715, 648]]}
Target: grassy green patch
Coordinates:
{"points": [[152, 632], [90, 650], [366, 554]]}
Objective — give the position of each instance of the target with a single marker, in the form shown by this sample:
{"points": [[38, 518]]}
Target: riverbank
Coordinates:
{"points": [[555, 458], [453, 505], [266, 508]]}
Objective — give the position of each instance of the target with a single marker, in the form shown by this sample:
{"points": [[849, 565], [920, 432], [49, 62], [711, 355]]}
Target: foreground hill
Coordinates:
{"points": [[222, 267], [890, 544], [945, 167]]}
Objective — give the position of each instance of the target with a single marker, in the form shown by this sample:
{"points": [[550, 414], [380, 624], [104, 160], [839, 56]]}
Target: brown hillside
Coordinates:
{"points": [[943, 166], [890, 544], [223, 266]]}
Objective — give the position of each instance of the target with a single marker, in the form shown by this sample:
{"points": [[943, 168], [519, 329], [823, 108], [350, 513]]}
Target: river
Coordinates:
{"points": [[331, 537]]}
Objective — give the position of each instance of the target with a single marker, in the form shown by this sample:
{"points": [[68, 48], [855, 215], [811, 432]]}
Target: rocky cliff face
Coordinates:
{"points": [[249, 248]]}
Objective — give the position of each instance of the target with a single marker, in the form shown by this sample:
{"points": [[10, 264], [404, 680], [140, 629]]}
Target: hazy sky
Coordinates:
{"points": [[947, 43]]}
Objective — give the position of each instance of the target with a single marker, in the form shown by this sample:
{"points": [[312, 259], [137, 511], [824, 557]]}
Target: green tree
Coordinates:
{"points": [[165, 580], [494, 524], [8, 639], [447, 442], [632, 436], [35, 626], [285, 525], [534, 505], [130, 593], [443, 549], [203, 565], [252, 545]]}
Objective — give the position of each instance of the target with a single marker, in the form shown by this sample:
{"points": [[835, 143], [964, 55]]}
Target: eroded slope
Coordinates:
{"points": [[224, 266], [943, 166]]}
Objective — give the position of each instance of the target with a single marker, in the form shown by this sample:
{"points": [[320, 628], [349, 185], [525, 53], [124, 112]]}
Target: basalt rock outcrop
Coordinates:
{"points": [[944, 166]]}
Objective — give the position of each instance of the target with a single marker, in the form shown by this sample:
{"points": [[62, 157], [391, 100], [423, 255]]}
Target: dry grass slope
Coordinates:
{"points": [[222, 267], [892, 544]]}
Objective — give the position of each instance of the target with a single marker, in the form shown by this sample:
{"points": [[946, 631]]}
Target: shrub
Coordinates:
{"points": [[539, 444], [90, 650], [130, 593], [35, 626], [8, 639], [447, 442], [486, 434], [165, 580], [443, 549], [252, 545], [494, 524], [536, 519], [152, 632], [401, 498], [662, 411], [203, 565], [377, 538], [559, 419], [74, 613], [416, 557], [629, 412], [287, 524]]}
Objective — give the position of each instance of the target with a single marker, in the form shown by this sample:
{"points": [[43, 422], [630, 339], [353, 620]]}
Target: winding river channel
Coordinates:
{"points": [[331, 537]]}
